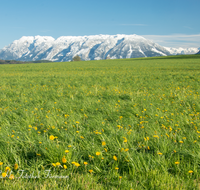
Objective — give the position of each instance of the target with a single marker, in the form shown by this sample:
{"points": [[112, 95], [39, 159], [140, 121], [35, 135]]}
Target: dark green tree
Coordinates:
{"points": [[76, 58]]}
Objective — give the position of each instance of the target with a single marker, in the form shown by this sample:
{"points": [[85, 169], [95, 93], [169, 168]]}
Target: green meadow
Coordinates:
{"points": [[108, 124]]}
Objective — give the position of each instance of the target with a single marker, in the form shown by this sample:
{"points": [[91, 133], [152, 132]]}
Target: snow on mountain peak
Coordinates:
{"points": [[93, 47]]}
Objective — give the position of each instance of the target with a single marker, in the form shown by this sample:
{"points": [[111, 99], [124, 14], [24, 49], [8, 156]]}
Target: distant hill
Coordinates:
{"points": [[198, 52], [22, 62]]}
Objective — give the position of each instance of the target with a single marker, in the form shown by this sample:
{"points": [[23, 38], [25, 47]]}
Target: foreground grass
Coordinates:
{"points": [[114, 124]]}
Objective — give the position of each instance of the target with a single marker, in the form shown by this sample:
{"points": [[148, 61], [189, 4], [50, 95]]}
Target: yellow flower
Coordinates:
{"points": [[69, 146], [4, 174], [66, 151], [105, 150], [103, 143], [120, 177], [90, 171], [54, 164], [77, 131], [58, 164], [126, 149], [77, 164], [7, 168], [65, 166], [11, 176], [64, 160], [177, 162], [116, 168], [160, 153], [115, 158], [85, 163], [98, 153], [125, 139], [15, 166], [51, 137], [181, 141], [82, 137], [1, 163], [40, 142], [77, 122], [190, 171]]}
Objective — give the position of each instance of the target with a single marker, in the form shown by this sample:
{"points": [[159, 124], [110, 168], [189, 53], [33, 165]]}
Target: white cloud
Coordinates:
{"points": [[176, 40]]}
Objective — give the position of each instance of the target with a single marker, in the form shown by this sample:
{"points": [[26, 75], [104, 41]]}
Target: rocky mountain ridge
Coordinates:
{"points": [[96, 47]]}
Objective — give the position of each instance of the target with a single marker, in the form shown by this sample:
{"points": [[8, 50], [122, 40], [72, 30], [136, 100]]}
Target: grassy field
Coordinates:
{"points": [[109, 124]]}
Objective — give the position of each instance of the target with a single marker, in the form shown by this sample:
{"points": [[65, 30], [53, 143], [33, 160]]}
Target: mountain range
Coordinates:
{"points": [[96, 47]]}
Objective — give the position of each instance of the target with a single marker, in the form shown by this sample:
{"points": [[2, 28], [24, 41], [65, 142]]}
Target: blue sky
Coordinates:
{"points": [[171, 23]]}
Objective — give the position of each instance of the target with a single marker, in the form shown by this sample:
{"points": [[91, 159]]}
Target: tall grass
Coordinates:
{"points": [[112, 124]]}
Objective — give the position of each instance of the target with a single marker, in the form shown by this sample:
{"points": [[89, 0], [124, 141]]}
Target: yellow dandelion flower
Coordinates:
{"points": [[98, 153], [126, 150], [85, 163], [159, 153], [105, 150], [11, 176], [103, 143], [15, 166], [7, 169], [90, 171], [65, 167], [77, 164], [190, 171], [4, 174], [115, 158], [77, 122], [51, 137], [66, 151], [77, 131], [120, 177], [82, 137], [125, 139], [53, 164], [64, 160], [58, 164], [116, 168], [177, 162], [1, 163], [181, 141]]}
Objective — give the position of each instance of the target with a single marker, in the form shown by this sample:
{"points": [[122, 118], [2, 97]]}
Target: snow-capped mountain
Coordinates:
{"points": [[178, 51], [96, 47], [29, 48]]}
